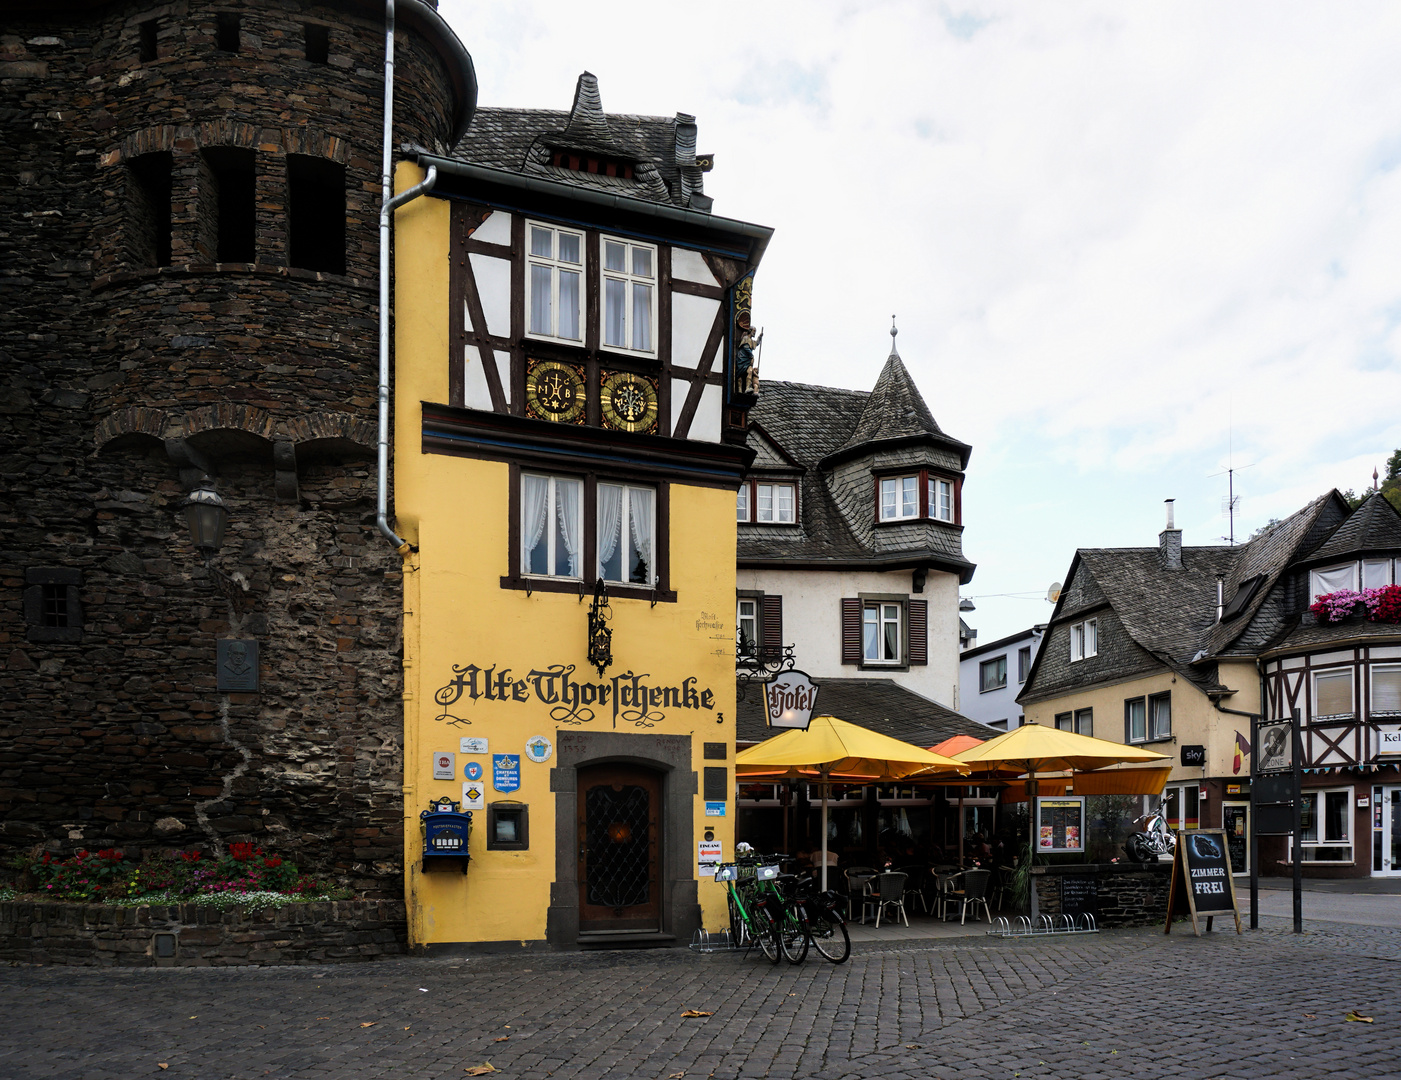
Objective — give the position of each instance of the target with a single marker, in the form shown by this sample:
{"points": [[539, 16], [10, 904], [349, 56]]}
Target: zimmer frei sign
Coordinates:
{"points": [[631, 698], [789, 699]]}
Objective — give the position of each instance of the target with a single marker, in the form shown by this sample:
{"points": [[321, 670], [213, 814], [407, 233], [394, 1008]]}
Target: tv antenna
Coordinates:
{"points": [[1230, 502]]}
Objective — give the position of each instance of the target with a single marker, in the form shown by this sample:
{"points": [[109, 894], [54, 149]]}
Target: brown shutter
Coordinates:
{"points": [[919, 631], [772, 628], [851, 631]]}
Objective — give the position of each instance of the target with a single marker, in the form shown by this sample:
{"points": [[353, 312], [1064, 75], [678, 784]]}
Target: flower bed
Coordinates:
{"points": [[245, 876], [1378, 605]]}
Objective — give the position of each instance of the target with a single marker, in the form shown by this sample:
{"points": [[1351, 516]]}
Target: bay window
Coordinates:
{"points": [[551, 516], [899, 498], [1331, 579], [1386, 691], [626, 516], [629, 287], [554, 282], [880, 633], [742, 503]]}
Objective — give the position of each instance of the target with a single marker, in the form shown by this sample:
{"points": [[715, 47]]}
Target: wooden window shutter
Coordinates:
{"points": [[772, 628], [851, 631], [919, 632]]}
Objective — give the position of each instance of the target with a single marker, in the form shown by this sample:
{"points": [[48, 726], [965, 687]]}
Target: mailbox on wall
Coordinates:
{"points": [[446, 832]]}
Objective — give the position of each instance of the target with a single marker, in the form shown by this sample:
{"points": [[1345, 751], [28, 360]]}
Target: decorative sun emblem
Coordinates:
{"points": [[555, 391], [629, 402]]}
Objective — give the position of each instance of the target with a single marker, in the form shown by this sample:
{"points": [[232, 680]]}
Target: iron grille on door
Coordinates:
{"points": [[619, 862]]}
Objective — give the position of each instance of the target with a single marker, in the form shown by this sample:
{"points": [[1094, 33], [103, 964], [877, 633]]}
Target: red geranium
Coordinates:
{"points": [[272, 862], [241, 852]]}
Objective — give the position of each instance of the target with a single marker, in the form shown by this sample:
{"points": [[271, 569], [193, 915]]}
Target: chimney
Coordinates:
{"points": [[1220, 595], [1170, 542]]}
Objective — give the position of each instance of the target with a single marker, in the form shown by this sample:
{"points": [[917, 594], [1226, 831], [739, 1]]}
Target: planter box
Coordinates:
{"points": [[193, 935]]}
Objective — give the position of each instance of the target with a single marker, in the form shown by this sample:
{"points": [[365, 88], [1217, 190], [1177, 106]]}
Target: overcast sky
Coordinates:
{"points": [[1113, 234]]}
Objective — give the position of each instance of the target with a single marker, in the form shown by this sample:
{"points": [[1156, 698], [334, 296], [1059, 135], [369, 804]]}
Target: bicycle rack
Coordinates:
{"points": [[1022, 926], [705, 941]]}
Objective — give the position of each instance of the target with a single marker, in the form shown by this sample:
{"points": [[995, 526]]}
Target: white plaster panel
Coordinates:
{"points": [[679, 389], [1384, 652], [812, 623], [494, 287], [474, 383], [1340, 656], [705, 425], [691, 320], [503, 368], [688, 265], [496, 229]]}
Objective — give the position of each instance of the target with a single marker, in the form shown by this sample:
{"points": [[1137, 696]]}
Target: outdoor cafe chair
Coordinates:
{"points": [[914, 887], [888, 890], [973, 893], [857, 878], [945, 881]]}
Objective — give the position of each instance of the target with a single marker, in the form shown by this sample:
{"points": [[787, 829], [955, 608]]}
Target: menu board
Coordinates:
{"points": [[1060, 823], [1234, 818], [1079, 896], [1202, 885]]}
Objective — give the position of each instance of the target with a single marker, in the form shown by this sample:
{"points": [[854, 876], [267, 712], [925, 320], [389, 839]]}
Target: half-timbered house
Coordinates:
{"points": [[571, 402], [1176, 647]]}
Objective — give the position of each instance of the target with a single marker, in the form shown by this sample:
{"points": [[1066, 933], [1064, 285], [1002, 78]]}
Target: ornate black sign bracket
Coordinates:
{"points": [[754, 662], [600, 636]]}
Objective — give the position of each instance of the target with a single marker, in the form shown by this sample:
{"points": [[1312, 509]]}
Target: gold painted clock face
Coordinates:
{"points": [[629, 402], [555, 391]]}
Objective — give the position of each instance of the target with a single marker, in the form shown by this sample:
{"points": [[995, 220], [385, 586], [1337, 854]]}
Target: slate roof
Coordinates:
{"points": [[1171, 614], [877, 704], [662, 149], [814, 425], [1373, 526]]}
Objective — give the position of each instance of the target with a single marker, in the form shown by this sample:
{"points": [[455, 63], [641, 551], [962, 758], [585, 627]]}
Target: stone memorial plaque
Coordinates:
{"points": [[237, 662]]}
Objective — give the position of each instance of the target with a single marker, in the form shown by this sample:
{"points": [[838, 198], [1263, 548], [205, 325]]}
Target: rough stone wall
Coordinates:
{"points": [[99, 936], [113, 372], [1135, 897]]}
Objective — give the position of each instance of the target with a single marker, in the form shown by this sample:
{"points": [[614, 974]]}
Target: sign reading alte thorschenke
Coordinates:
{"points": [[633, 699]]}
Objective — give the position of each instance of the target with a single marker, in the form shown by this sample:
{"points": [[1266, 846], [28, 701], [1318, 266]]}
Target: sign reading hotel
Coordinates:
{"points": [[631, 698], [789, 699]]}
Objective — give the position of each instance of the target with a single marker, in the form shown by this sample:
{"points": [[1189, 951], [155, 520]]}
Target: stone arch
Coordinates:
{"points": [[330, 435], [131, 426]]}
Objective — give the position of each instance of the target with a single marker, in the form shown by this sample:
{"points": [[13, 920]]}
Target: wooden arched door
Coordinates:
{"points": [[619, 828]]}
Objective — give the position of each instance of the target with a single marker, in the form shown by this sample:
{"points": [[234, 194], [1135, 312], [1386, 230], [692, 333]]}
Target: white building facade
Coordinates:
{"points": [[991, 676]]}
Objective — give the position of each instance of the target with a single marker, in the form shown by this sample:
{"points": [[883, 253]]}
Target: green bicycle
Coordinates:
{"points": [[751, 922]]}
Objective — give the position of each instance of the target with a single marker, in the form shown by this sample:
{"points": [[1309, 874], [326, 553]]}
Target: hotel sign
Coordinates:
{"points": [[789, 700]]}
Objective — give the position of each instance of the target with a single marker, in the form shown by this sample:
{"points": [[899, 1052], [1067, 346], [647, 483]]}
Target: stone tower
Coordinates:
{"points": [[188, 296]]}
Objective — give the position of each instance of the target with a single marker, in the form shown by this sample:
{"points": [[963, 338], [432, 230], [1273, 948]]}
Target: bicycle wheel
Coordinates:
{"points": [[794, 937], [832, 941], [769, 938], [737, 928]]}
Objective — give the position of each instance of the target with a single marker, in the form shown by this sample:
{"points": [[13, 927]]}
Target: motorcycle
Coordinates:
{"points": [[1155, 841]]}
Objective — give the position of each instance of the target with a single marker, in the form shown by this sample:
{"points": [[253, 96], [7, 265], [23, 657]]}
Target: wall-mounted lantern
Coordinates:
{"points": [[206, 515]]}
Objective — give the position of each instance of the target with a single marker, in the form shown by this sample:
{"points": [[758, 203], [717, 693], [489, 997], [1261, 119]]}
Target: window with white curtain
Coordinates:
{"points": [[626, 522], [1332, 693], [1376, 573], [1331, 579], [554, 281], [551, 519], [629, 287], [880, 633], [899, 497], [774, 503], [1084, 639], [747, 628], [1386, 690], [940, 499], [742, 503], [1160, 716]]}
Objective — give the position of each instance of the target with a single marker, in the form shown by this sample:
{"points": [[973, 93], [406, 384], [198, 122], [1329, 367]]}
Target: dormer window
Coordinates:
{"points": [[555, 282], [591, 163], [629, 279], [1365, 574], [766, 502], [916, 495]]}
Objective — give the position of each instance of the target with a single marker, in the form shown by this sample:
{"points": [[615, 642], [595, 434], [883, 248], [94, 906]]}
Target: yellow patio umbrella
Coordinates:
{"points": [[1036, 748], [833, 747]]}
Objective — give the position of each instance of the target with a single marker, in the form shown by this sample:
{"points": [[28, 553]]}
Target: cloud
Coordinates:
{"points": [[1113, 234]]}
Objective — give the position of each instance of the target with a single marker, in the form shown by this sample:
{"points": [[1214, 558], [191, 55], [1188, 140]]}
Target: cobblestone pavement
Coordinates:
{"points": [[1123, 1003]]}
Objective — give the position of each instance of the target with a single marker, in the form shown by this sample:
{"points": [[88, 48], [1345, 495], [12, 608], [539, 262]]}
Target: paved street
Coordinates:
{"points": [[1125, 1003]]}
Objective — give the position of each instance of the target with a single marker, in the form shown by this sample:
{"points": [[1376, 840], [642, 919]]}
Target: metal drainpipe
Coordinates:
{"points": [[387, 207]]}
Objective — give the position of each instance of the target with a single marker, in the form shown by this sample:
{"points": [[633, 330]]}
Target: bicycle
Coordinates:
{"points": [[751, 921], [826, 925]]}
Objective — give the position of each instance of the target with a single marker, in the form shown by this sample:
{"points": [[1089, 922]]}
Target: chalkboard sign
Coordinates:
{"points": [[1079, 896], [1202, 885], [1234, 818]]}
